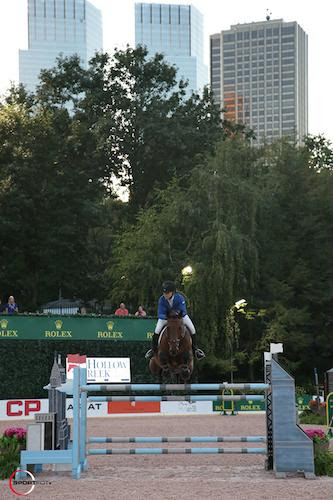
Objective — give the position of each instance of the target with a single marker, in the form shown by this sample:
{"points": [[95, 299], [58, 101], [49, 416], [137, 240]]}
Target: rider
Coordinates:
{"points": [[172, 300]]}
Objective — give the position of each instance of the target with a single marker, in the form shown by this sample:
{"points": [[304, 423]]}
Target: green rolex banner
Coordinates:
{"points": [[301, 401], [36, 327]]}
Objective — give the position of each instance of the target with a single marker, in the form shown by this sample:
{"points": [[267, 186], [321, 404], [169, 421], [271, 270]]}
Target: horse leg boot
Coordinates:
{"points": [[154, 346], [198, 353]]}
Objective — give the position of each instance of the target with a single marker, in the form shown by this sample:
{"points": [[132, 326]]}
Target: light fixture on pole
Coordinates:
{"points": [[187, 271]]}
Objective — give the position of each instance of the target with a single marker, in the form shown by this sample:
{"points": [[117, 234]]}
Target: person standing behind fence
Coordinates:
{"points": [[11, 307], [141, 312], [121, 311]]}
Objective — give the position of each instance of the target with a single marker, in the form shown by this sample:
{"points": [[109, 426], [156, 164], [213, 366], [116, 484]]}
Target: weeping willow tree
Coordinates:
{"points": [[225, 257], [210, 224]]}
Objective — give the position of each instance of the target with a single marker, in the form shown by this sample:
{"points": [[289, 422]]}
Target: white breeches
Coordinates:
{"points": [[186, 320]]}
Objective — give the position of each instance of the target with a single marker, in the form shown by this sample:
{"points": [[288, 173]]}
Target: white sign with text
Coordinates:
{"points": [[103, 370]]}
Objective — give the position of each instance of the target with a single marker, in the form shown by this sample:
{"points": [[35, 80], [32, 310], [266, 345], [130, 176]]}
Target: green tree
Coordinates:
{"points": [[296, 241], [146, 129], [50, 191]]}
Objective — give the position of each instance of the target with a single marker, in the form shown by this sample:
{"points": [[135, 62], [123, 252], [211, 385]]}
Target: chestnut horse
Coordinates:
{"points": [[174, 355]]}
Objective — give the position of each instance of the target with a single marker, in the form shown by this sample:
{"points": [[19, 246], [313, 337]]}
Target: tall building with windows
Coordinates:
{"points": [[177, 32], [259, 76], [57, 27]]}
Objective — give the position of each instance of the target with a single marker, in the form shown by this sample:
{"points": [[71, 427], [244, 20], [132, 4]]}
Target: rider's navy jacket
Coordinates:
{"points": [[178, 304]]}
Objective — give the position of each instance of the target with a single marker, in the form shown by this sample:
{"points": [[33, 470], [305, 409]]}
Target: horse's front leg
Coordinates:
{"points": [[186, 367], [164, 360]]}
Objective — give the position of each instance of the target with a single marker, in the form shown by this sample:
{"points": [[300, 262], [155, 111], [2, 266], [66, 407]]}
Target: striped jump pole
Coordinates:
{"points": [[174, 451], [191, 398], [172, 387], [179, 439]]}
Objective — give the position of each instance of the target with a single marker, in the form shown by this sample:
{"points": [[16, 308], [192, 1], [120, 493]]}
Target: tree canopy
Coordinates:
{"points": [[253, 223]]}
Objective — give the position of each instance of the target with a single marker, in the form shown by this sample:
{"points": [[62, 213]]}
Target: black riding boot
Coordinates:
{"points": [[154, 346], [198, 353]]}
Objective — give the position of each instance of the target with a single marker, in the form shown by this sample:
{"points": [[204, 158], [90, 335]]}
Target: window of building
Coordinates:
{"points": [[254, 34], [229, 37], [287, 82], [288, 39], [289, 74], [229, 81], [229, 53], [276, 31]]}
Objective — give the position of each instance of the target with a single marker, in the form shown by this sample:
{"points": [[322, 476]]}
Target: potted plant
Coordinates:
{"points": [[321, 440], [12, 441]]}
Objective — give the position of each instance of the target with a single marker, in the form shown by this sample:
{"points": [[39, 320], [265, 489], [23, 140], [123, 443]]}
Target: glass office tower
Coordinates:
{"points": [[259, 76], [177, 32], [58, 26]]}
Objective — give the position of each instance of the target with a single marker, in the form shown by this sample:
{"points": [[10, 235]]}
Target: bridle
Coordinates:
{"points": [[175, 342]]}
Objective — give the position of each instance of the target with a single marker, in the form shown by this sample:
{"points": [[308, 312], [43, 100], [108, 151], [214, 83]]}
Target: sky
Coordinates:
{"points": [[118, 30]]}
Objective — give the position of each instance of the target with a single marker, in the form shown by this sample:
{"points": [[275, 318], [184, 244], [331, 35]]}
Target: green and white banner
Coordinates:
{"points": [[113, 328]]}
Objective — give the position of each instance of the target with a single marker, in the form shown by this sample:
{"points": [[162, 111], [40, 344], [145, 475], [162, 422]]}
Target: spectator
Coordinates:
{"points": [[11, 307], [121, 311], [141, 312]]}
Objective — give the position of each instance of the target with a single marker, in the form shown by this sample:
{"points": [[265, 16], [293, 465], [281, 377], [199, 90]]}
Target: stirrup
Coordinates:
{"points": [[149, 354], [199, 354]]}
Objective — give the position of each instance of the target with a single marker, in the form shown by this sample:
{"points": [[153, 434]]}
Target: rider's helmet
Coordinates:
{"points": [[168, 286]]}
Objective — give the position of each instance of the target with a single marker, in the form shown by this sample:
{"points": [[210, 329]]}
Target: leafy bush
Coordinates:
{"points": [[307, 417], [324, 464]]}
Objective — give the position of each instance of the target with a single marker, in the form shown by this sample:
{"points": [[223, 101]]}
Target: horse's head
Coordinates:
{"points": [[175, 332]]}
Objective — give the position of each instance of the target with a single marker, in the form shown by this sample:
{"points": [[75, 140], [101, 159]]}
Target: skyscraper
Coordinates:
{"points": [[259, 75], [58, 26], [177, 32]]}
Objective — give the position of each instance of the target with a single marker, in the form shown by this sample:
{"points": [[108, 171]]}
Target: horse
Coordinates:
{"points": [[174, 355]]}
